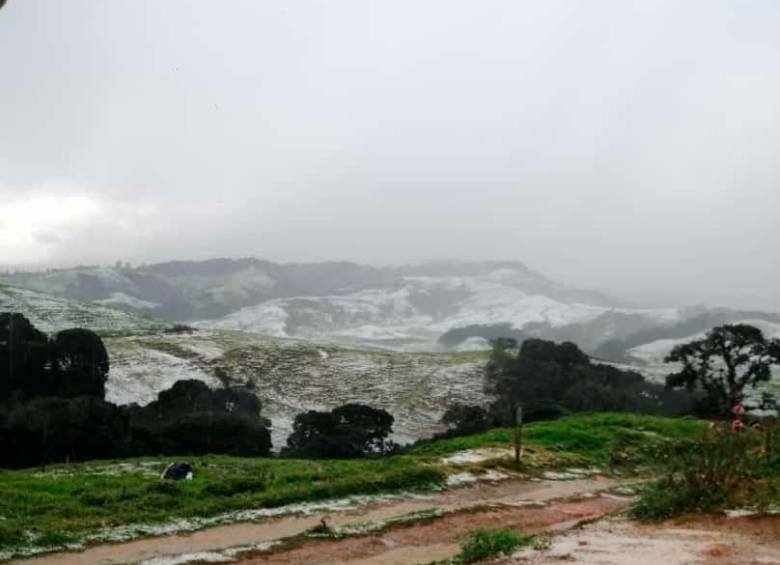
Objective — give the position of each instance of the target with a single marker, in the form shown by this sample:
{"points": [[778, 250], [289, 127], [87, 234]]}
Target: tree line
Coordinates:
{"points": [[53, 407], [548, 380]]}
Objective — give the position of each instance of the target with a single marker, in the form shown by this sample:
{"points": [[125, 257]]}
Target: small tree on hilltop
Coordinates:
{"points": [[728, 359]]}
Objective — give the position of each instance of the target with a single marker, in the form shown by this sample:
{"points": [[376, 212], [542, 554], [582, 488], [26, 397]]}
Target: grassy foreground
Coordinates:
{"points": [[103, 500], [66, 502], [604, 439]]}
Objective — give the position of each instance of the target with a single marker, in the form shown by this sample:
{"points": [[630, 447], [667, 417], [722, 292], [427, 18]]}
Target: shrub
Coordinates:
{"points": [[484, 544], [701, 474]]}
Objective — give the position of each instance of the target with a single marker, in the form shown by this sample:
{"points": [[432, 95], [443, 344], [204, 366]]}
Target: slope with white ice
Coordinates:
{"points": [[52, 313], [417, 310], [291, 376]]}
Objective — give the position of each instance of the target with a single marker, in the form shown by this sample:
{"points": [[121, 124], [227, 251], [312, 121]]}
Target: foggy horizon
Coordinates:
{"points": [[628, 148]]}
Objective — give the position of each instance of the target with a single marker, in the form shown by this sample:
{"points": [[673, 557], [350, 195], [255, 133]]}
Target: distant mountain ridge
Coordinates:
{"points": [[433, 306], [411, 339], [195, 290]]}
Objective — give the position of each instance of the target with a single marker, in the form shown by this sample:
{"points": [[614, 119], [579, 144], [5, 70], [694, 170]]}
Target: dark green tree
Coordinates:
{"points": [[191, 418], [549, 380], [25, 357], [723, 364], [80, 364], [464, 419], [351, 430]]}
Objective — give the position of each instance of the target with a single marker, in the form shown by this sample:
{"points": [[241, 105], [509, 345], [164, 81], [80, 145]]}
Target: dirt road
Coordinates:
{"points": [[523, 503], [581, 517]]}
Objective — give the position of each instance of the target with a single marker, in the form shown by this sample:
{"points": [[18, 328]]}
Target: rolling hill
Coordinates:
{"points": [[410, 339]]}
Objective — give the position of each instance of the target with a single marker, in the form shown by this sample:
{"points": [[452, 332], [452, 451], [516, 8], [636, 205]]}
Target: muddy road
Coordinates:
{"points": [[580, 518], [492, 502]]}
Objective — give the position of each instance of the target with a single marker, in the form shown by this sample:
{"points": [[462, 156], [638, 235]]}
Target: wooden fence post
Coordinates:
{"points": [[518, 434]]}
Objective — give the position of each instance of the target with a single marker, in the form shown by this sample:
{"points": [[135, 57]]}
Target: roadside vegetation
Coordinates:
{"points": [[728, 467], [485, 544]]}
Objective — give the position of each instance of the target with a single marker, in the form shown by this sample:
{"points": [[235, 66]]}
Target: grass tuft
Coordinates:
{"points": [[485, 544]]}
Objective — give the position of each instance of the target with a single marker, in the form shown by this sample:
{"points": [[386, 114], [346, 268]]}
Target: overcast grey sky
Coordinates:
{"points": [[627, 146]]}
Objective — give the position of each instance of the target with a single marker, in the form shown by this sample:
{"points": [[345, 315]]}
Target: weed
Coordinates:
{"points": [[542, 542], [52, 538], [322, 530], [484, 544]]}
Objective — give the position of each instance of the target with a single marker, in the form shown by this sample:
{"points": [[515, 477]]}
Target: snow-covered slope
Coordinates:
{"points": [[654, 352], [648, 358], [291, 376], [51, 314], [417, 310], [425, 307], [317, 352], [216, 288]]}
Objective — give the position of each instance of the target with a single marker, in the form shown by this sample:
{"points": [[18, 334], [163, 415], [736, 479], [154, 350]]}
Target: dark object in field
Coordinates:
{"points": [[177, 472]]}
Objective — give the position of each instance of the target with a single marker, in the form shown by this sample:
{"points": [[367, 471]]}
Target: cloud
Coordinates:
{"points": [[56, 225], [618, 145]]}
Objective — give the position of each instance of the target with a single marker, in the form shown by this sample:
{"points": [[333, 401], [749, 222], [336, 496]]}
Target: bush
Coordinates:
{"points": [[484, 544], [701, 474]]}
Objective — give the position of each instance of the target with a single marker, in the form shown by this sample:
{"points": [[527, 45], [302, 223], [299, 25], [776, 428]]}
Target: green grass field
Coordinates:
{"points": [[595, 439], [72, 503]]}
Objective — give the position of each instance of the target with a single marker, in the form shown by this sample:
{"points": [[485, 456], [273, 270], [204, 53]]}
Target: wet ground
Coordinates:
{"points": [[695, 540], [487, 504], [580, 518]]}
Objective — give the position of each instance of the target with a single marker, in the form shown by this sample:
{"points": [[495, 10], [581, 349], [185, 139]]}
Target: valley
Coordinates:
{"points": [[413, 339], [293, 376]]}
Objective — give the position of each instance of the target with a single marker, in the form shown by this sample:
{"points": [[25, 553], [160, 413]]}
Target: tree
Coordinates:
{"points": [[25, 357], [549, 380], [191, 418], [463, 420], [52, 406], [80, 364], [530, 376], [48, 429], [351, 430], [367, 428], [722, 364]]}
